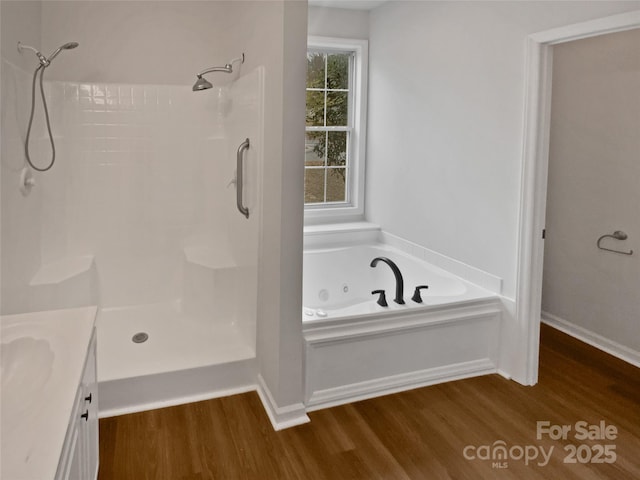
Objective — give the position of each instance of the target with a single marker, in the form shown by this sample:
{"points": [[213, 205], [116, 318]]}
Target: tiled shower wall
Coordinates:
{"points": [[140, 173], [143, 179]]}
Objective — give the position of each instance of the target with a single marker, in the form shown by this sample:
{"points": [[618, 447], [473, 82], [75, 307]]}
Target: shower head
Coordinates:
{"points": [[204, 84], [201, 84], [66, 46]]}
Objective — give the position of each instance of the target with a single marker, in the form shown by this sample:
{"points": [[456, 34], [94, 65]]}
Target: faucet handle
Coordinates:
{"points": [[416, 294], [382, 299]]}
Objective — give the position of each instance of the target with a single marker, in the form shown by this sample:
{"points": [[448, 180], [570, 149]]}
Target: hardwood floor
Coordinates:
{"points": [[420, 434]]}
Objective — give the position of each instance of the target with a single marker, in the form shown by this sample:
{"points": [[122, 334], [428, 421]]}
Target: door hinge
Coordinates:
{"points": [[544, 233]]}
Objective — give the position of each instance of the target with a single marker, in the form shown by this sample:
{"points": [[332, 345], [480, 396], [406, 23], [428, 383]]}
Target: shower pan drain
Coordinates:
{"points": [[140, 337]]}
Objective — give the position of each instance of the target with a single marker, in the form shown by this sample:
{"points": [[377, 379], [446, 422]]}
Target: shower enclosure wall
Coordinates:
{"points": [[139, 216]]}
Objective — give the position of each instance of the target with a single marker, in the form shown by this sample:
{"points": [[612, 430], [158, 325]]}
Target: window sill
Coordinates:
{"points": [[328, 234], [332, 215]]}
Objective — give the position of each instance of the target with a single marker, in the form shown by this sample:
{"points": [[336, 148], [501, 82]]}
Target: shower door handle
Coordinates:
{"points": [[239, 178]]}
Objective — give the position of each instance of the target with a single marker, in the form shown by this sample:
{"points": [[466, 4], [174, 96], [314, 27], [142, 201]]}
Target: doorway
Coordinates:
{"points": [[534, 174], [591, 275]]}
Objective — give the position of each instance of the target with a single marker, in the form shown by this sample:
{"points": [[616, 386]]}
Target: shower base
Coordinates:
{"points": [[184, 359]]}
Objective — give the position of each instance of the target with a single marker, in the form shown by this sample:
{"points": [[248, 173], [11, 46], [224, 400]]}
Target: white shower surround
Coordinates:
{"points": [[140, 203], [130, 185]]}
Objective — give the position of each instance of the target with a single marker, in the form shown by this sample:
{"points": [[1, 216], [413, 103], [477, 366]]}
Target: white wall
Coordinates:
{"points": [[20, 216], [446, 96], [153, 42], [20, 22], [279, 336], [594, 187], [338, 22]]}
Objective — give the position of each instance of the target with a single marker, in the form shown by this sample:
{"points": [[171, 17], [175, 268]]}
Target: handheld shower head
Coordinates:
{"points": [[66, 46], [44, 62]]}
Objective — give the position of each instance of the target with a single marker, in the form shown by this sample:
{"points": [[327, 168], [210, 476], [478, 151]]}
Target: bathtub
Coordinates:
{"points": [[357, 349], [338, 282]]}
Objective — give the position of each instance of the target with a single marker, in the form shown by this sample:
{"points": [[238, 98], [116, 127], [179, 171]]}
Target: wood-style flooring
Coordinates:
{"points": [[419, 434]]}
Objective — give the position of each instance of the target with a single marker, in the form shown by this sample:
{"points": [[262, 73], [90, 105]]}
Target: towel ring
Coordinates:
{"points": [[618, 235]]}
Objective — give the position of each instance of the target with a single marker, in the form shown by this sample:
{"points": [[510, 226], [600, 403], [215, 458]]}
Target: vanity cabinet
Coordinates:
{"points": [[79, 459]]}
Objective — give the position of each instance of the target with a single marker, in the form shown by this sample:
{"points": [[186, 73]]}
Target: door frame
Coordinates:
{"points": [[535, 154]]}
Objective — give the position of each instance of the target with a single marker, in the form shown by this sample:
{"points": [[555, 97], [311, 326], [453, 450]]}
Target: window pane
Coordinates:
{"points": [[337, 108], [315, 109], [337, 149], [338, 70], [329, 117], [315, 70], [314, 148], [336, 181], [314, 185]]}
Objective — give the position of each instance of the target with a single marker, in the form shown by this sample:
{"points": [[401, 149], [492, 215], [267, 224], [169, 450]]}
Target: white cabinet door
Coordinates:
{"points": [[79, 460], [72, 462], [76, 462], [90, 406]]}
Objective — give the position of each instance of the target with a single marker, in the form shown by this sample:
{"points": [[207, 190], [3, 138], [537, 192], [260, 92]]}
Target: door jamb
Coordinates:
{"points": [[535, 152]]}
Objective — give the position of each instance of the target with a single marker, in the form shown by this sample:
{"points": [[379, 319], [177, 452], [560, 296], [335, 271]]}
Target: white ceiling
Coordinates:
{"points": [[350, 4]]}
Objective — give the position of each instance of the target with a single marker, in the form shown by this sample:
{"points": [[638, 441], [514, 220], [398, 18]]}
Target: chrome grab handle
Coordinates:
{"points": [[618, 235], [239, 180]]}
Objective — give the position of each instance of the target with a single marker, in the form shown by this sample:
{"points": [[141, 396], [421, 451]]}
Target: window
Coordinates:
{"points": [[336, 112]]}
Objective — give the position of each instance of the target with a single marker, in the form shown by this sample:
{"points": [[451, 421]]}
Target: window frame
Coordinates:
{"points": [[353, 208]]}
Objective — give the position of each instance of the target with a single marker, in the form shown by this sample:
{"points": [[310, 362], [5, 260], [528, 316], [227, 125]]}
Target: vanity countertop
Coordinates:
{"points": [[43, 355]]}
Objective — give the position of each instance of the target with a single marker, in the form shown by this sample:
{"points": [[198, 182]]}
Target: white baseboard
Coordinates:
{"points": [[613, 348], [280, 417], [398, 383]]}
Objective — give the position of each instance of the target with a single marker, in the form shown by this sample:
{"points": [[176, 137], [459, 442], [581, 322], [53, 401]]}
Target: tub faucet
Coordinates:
{"points": [[398, 275]]}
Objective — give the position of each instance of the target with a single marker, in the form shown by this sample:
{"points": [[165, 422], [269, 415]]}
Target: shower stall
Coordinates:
{"points": [[139, 212], [185, 282]]}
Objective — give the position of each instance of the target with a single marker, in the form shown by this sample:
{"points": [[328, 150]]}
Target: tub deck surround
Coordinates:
{"points": [[338, 282], [357, 349], [364, 233], [34, 418]]}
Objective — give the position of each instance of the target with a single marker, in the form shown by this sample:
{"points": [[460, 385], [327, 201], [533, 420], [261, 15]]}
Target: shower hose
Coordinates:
{"points": [[46, 116]]}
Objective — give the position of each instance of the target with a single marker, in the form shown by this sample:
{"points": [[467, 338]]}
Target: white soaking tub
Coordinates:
{"points": [[338, 283], [356, 348]]}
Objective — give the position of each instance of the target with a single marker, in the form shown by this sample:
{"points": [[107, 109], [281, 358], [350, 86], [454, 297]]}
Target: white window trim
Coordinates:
{"points": [[354, 209]]}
